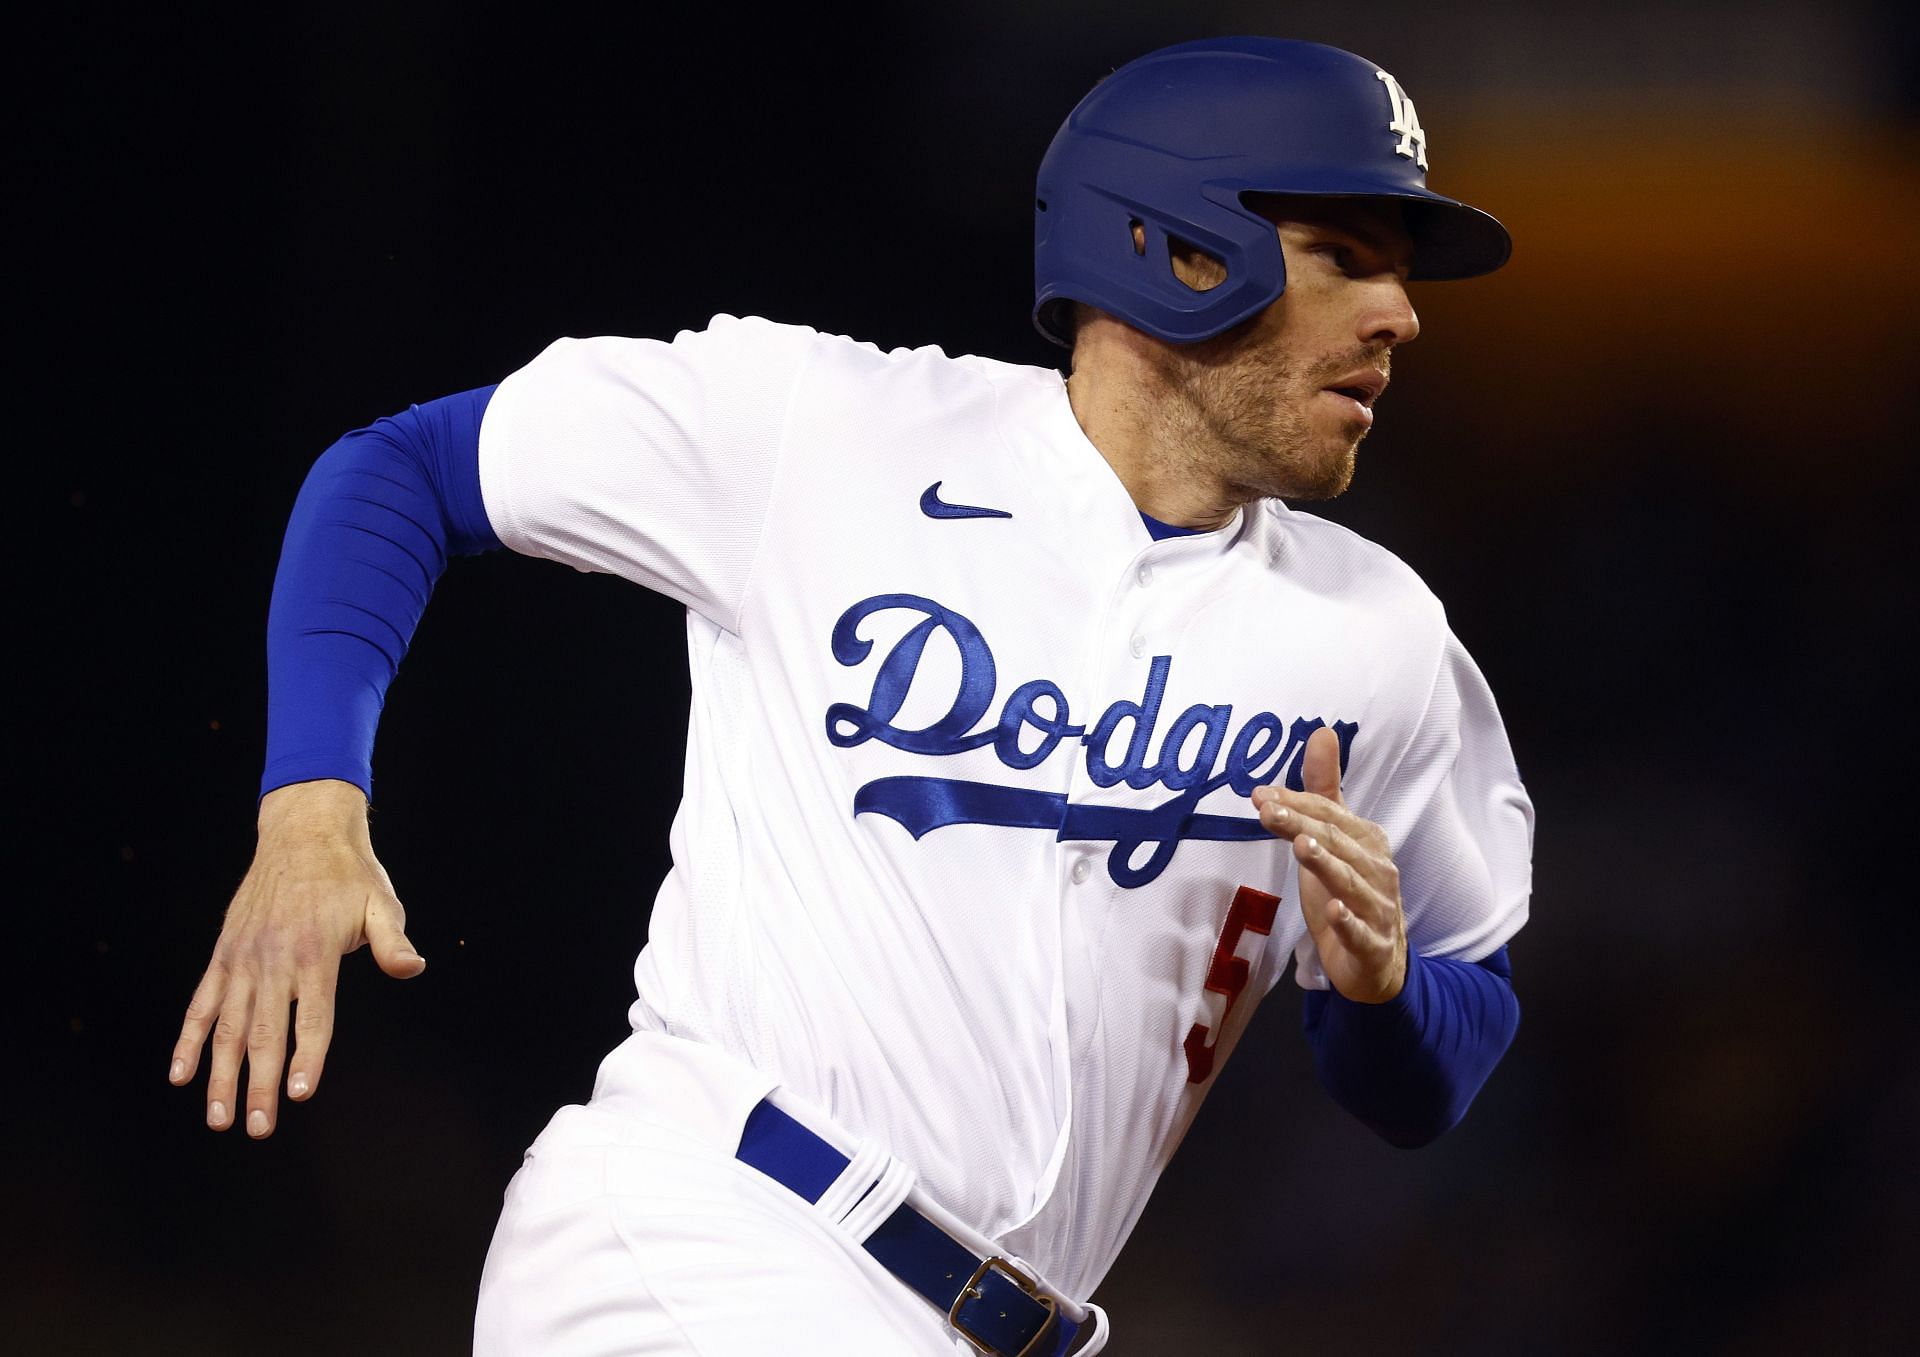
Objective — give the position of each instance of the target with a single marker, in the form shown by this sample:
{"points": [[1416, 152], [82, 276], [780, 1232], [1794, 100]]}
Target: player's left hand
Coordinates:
{"points": [[1349, 887]]}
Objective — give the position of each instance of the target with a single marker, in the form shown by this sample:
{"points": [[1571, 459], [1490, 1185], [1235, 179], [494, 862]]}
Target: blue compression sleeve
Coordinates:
{"points": [[371, 531], [1409, 1068]]}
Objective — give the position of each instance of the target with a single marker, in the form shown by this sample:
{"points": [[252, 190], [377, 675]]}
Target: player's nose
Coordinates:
{"points": [[1388, 317]]}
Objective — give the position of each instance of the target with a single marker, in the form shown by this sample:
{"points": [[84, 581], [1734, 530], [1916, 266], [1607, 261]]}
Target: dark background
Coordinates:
{"points": [[1656, 468]]}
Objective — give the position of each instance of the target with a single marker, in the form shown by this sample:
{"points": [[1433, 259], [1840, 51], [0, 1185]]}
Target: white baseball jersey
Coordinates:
{"points": [[965, 853]]}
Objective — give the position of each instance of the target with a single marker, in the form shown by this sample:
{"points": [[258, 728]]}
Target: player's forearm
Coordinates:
{"points": [[1409, 1068], [371, 531]]}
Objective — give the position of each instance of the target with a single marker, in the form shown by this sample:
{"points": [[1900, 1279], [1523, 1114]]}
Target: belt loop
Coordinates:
{"points": [[868, 1162], [892, 1188]]}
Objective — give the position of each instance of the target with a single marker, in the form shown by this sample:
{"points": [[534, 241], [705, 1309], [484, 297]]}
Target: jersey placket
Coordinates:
{"points": [[1142, 624]]}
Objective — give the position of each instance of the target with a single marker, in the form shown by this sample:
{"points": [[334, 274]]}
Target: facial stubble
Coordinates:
{"points": [[1249, 421]]}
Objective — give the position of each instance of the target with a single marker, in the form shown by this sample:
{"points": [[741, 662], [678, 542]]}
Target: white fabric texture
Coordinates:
{"points": [[627, 1235], [1002, 1006], [633, 1230]]}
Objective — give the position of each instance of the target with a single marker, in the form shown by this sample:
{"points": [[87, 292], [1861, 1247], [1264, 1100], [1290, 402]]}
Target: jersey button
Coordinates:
{"points": [[1146, 576], [1138, 645], [1082, 869]]}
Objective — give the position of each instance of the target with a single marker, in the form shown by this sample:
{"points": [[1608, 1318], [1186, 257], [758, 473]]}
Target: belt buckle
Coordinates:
{"points": [[1020, 1279]]}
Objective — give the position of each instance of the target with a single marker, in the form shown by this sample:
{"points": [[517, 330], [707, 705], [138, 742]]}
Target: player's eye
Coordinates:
{"points": [[1341, 255]]}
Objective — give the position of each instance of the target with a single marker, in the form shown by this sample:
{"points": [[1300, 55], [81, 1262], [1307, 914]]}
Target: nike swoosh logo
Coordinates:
{"points": [[934, 507]]}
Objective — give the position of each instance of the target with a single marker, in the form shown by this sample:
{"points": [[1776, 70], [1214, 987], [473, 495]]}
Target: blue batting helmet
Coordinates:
{"points": [[1172, 141]]}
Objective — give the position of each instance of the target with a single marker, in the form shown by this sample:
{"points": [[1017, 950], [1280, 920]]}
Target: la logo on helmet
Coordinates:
{"points": [[1413, 137]]}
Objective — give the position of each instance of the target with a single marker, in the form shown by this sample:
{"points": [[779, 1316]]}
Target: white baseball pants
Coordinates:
{"points": [[632, 1231]]}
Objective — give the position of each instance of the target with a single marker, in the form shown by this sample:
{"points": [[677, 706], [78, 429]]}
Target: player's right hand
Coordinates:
{"points": [[314, 893]]}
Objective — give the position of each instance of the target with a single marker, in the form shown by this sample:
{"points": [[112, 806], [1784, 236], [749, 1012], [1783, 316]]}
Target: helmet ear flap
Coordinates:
{"points": [[1178, 276], [1219, 262], [1198, 270]]}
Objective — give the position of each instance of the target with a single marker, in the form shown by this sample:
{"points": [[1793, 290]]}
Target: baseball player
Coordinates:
{"points": [[1032, 732]]}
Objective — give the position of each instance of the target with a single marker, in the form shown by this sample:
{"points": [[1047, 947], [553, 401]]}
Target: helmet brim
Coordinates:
{"points": [[1450, 239]]}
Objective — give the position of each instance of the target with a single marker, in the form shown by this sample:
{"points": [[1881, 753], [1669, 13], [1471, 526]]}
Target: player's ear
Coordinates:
{"points": [[1193, 266]]}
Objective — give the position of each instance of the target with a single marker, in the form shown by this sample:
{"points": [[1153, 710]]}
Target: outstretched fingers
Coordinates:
{"points": [[1344, 882], [203, 1010], [1328, 845], [1324, 810], [266, 1056], [229, 1044], [312, 1029]]}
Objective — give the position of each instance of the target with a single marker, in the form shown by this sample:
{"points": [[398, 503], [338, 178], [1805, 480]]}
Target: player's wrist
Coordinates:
{"points": [[323, 805], [1389, 1001], [1397, 982]]}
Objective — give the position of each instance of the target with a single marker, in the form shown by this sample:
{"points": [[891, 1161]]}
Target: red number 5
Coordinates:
{"points": [[1252, 912]]}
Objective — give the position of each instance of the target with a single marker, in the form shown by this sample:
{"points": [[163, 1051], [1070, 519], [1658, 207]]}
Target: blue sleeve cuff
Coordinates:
{"points": [[1410, 1068], [371, 531]]}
